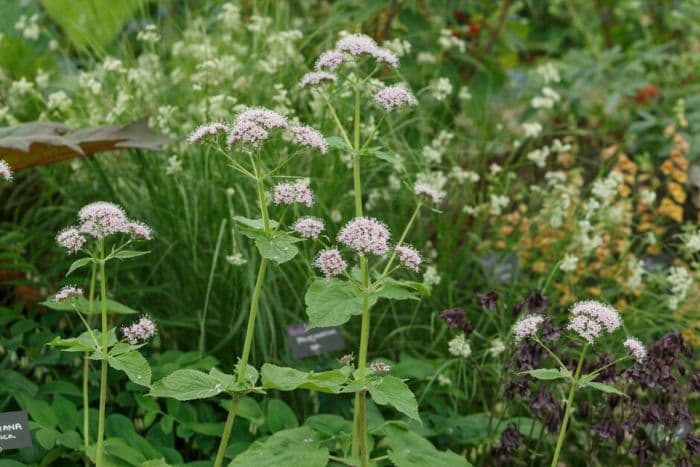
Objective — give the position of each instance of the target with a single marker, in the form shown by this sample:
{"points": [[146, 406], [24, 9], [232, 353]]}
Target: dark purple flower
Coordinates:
{"points": [[550, 331], [535, 302], [456, 319], [692, 444], [489, 301], [511, 441]]}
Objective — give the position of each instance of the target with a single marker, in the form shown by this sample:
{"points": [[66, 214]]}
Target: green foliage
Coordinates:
{"points": [[296, 446], [390, 390]]}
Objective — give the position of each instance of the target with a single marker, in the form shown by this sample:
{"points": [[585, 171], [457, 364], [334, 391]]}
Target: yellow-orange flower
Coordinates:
{"points": [[671, 210], [677, 192]]}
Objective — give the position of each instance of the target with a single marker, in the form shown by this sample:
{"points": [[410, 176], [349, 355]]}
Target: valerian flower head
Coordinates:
{"points": [[101, 219], [314, 78], [253, 125], [71, 239], [330, 59], [289, 193], [330, 262], [206, 130], [365, 235], [590, 318], [395, 96], [139, 331], [5, 171], [380, 368], [67, 292], [307, 136], [361, 44], [423, 189], [527, 327], [636, 348], [140, 230], [409, 257], [308, 227]]}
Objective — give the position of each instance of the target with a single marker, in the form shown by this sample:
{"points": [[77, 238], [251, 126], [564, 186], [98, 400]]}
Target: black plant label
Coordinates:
{"points": [[14, 430], [314, 341]]}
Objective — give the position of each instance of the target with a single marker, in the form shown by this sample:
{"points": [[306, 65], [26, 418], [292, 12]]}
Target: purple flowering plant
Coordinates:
{"points": [[589, 321]]}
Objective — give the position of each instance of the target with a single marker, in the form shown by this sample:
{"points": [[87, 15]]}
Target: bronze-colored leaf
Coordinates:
{"points": [[40, 143]]}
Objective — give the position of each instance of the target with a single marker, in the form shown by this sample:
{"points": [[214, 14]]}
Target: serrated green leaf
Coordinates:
{"points": [[394, 159], [134, 365], [282, 378], [255, 224], [547, 373], [77, 264], [126, 254], [409, 449], [41, 413], [85, 342], [279, 416], [395, 290], [46, 437], [332, 302], [279, 249], [81, 305], [66, 413], [390, 390], [187, 384], [609, 388], [296, 446]]}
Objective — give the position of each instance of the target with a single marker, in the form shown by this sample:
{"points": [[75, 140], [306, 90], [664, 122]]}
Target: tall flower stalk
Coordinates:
{"points": [[98, 223], [250, 130], [353, 50]]}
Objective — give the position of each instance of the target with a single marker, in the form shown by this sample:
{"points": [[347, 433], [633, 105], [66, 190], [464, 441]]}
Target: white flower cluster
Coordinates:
{"points": [[680, 281], [459, 346]]}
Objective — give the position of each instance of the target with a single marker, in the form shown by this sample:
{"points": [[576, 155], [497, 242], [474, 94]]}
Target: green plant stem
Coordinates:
{"points": [[250, 329], [103, 372], [227, 432], [86, 367], [359, 439], [569, 403]]}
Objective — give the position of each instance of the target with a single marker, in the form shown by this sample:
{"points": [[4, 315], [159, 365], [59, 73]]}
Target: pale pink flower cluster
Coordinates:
{"points": [[207, 130], [71, 239], [361, 44], [315, 78], [330, 60], [589, 318], [380, 368], [527, 327], [139, 331], [409, 257], [423, 189], [365, 235], [289, 193], [307, 136], [253, 126], [395, 96], [330, 262], [69, 291], [308, 227], [101, 219], [5, 171], [636, 348]]}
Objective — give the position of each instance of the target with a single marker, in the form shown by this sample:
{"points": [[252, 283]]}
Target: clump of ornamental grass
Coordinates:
{"points": [[364, 257], [103, 233], [589, 321]]}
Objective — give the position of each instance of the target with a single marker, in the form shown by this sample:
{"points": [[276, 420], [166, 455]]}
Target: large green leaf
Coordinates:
{"points": [[548, 373], [81, 304], [609, 388], [134, 365], [89, 24], [188, 384], [294, 447], [85, 342], [390, 390], [279, 249], [332, 302], [289, 379], [409, 449]]}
